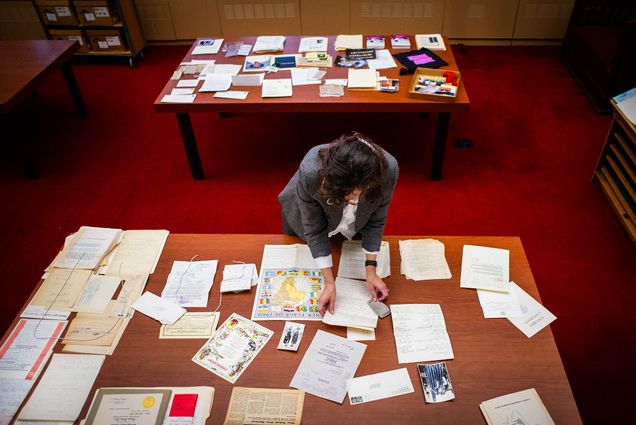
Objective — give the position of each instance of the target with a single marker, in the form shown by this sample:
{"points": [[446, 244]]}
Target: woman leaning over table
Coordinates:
{"points": [[343, 187]]}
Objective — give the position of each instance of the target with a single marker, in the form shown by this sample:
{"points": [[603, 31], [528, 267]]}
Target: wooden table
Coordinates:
{"points": [[307, 99], [492, 357], [23, 65]]}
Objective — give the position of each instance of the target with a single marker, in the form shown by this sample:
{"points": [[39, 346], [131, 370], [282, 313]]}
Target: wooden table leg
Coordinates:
{"points": [[441, 133], [190, 145], [73, 88]]}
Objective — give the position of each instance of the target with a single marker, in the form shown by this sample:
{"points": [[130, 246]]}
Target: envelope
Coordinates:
{"points": [[380, 385], [159, 309]]}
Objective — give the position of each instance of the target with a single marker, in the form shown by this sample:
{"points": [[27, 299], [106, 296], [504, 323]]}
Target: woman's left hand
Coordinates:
{"points": [[377, 287]]}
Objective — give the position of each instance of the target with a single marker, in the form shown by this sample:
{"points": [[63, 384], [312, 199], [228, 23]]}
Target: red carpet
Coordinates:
{"points": [[536, 144]]}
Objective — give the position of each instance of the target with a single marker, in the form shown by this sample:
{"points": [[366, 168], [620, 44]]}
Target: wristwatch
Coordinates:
{"points": [[373, 263]]}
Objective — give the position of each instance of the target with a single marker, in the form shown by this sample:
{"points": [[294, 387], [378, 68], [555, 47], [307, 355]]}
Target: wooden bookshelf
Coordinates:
{"points": [[616, 170], [102, 27]]}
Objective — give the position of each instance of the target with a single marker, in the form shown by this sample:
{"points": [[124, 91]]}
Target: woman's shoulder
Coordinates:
{"points": [[312, 162]]}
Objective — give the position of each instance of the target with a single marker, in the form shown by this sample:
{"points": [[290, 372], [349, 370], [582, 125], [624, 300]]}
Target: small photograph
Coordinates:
{"points": [[257, 63], [435, 382], [389, 86], [292, 334]]}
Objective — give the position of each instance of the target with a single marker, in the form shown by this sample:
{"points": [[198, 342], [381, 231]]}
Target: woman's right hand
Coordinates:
{"points": [[327, 299]]}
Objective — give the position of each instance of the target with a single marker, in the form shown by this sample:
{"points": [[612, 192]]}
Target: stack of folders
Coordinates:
{"points": [[85, 249], [269, 43], [423, 259], [521, 407]]}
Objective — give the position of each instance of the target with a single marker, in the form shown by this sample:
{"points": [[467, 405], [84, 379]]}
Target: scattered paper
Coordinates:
{"points": [[362, 78], [63, 389], [232, 347], [331, 90], [277, 88], [248, 80], [188, 83], [182, 98], [87, 248], [233, 94], [159, 309], [378, 386], [207, 47], [137, 253], [180, 91], [485, 268], [97, 293], [313, 44], [328, 366], [423, 259], [266, 43], [359, 334], [344, 42], [305, 76], [535, 316], [420, 333], [189, 283], [264, 406], [499, 304], [239, 277], [383, 60], [191, 326], [430, 41], [226, 68], [353, 256], [216, 82], [60, 289], [351, 307], [523, 407]]}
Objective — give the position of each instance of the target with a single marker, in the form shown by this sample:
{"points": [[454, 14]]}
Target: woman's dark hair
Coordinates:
{"points": [[350, 162]]}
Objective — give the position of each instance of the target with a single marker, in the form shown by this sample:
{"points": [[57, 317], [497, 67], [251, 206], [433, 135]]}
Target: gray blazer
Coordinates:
{"points": [[309, 216]]}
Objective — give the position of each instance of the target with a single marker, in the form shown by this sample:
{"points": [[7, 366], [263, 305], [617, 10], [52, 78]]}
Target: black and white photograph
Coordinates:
{"points": [[292, 334], [436, 382]]}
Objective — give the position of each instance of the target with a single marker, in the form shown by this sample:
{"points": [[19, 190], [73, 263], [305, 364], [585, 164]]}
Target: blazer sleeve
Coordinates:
{"points": [[312, 215], [373, 230]]}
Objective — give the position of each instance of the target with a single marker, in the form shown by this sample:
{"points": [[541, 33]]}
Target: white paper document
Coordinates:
{"points": [[499, 304], [535, 316], [137, 253], [62, 391], [188, 83], [277, 88], [216, 82], [353, 256], [287, 256], [189, 283], [87, 248], [423, 259], [269, 43], [362, 78], [420, 333], [226, 68], [12, 394], [159, 309], [485, 268], [42, 312], [239, 277], [97, 293], [313, 44], [522, 407], [351, 307], [182, 91], [336, 81], [379, 386], [248, 80], [305, 76], [344, 42], [231, 94], [178, 98], [207, 47], [28, 346], [383, 60], [328, 366]]}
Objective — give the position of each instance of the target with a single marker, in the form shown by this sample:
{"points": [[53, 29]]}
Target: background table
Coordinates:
{"points": [[23, 65], [307, 99], [492, 357]]}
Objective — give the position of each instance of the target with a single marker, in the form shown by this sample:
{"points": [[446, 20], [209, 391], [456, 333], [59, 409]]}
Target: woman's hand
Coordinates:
{"points": [[327, 299], [376, 286]]}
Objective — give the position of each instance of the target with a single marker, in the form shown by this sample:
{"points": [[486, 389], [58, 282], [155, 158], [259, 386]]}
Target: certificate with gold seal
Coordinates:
{"points": [[130, 406]]}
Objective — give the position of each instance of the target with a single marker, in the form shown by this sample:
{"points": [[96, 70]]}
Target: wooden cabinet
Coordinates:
{"points": [[102, 27], [616, 170]]}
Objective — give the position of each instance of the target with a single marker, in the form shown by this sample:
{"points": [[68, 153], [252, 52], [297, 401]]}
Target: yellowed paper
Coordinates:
{"points": [[282, 407], [60, 289], [191, 326], [358, 334], [137, 253], [92, 329]]}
